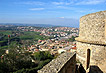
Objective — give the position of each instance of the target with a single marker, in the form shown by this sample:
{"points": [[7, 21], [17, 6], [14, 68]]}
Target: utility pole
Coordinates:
{"points": [[8, 41], [7, 51]]}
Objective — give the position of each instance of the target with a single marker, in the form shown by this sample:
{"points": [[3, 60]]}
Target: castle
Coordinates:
{"points": [[91, 43], [91, 48]]}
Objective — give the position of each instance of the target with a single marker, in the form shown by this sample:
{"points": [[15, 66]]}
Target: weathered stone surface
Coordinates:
{"points": [[92, 28], [92, 35], [65, 63]]}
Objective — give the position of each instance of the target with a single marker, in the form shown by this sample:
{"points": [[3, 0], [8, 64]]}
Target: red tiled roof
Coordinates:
{"points": [[33, 45], [74, 48]]}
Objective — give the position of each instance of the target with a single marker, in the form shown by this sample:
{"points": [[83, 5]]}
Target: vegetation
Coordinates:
{"points": [[43, 55], [29, 35], [22, 38], [19, 61], [72, 39]]}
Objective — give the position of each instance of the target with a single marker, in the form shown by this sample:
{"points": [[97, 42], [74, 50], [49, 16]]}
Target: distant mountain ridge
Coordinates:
{"points": [[36, 25]]}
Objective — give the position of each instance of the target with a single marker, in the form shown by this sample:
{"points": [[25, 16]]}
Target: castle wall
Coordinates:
{"points": [[92, 35], [92, 26], [97, 55], [65, 63]]}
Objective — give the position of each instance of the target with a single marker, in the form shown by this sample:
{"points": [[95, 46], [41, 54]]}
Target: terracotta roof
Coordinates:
{"points": [[74, 48]]}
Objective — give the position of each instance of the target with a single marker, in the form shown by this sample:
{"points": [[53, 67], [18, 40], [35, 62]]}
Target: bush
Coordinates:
{"points": [[33, 70], [43, 55], [72, 39]]}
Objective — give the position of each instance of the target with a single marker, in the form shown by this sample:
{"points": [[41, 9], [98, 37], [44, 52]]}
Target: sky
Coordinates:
{"points": [[55, 12]]}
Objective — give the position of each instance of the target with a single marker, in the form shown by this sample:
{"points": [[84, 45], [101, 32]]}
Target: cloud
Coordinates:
{"points": [[61, 3], [90, 2], [34, 9], [62, 7], [79, 2], [87, 11], [31, 3], [58, 3], [67, 7], [62, 17]]}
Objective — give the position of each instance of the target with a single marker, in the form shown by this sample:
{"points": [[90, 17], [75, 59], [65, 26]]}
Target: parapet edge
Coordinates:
{"points": [[103, 43], [56, 64], [93, 13]]}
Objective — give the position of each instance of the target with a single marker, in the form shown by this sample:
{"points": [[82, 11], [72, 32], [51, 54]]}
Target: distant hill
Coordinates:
{"points": [[36, 25]]}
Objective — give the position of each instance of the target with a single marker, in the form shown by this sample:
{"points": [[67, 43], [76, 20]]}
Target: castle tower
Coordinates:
{"points": [[91, 43]]}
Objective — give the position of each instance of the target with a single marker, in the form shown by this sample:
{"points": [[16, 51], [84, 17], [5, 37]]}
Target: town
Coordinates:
{"points": [[41, 44], [60, 43], [62, 38]]}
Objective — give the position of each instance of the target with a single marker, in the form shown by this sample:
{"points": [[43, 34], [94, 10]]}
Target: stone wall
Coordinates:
{"points": [[92, 27], [92, 35], [65, 63], [97, 56]]}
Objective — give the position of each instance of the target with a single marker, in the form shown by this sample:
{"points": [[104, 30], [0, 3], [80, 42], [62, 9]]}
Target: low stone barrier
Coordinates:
{"points": [[65, 63]]}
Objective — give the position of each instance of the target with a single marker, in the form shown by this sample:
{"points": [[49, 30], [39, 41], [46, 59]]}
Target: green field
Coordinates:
{"points": [[32, 36], [5, 32], [19, 37]]}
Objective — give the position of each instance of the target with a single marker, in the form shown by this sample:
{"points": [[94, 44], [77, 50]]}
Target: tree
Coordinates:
{"points": [[16, 60], [43, 55], [72, 39]]}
